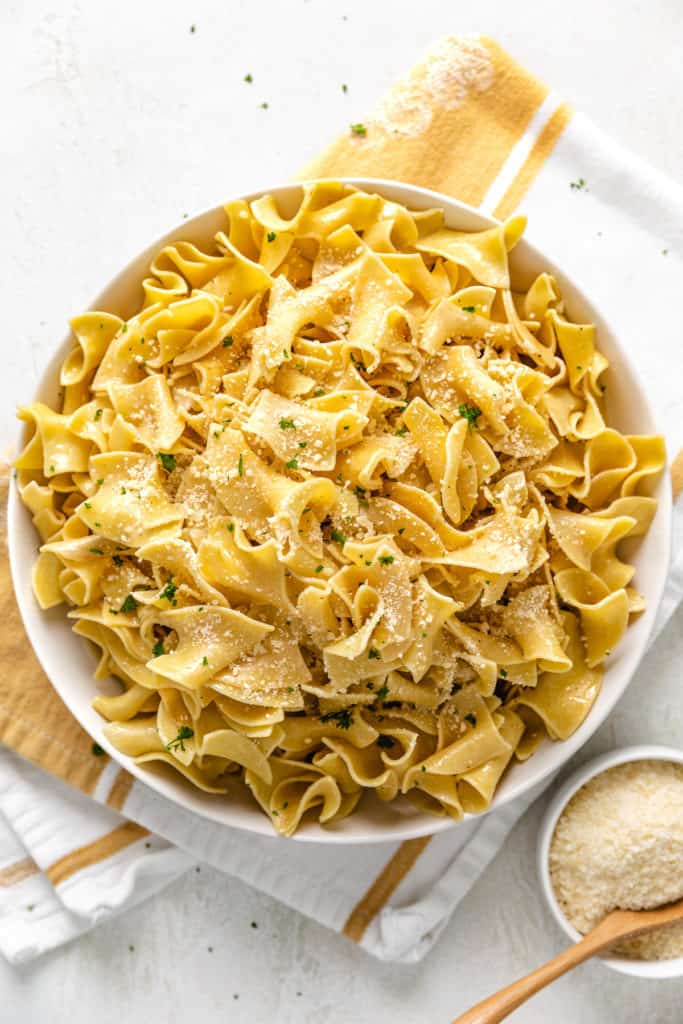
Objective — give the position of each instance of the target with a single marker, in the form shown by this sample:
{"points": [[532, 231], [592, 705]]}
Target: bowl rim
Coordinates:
{"points": [[419, 824], [671, 968]]}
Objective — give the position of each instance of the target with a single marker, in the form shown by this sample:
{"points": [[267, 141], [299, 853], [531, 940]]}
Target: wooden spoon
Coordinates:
{"points": [[620, 924]]}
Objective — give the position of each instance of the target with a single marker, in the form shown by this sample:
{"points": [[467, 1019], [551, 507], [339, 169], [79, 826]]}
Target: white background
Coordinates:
{"points": [[118, 119]]}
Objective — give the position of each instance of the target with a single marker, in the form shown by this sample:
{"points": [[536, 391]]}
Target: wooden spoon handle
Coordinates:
{"points": [[496, 1007]]}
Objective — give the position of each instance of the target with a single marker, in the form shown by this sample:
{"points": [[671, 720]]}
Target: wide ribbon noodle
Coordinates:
{"points": [[340, 509]]}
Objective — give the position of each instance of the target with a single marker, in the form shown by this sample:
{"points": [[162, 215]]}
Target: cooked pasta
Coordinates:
{"points": [[339, 508]]}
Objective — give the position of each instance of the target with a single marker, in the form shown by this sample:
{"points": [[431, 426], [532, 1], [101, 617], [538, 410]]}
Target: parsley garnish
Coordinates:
{"points": [[578, 185], [227, 342], [231, 527], [383, 692], [184, 733], [286, 424], [345, 87], [129, 605], [100, 481], [249, 78], [96, 551], [97, 750], [359, 129], [318, 392], [338, 536], [167, 461], [205, 661], [169, 592], [86, 504], [373, 653], [401, 530], [469, 309], [158, 649], [502, 672], [303, 444], [386, 559], [360, 494], [319, 568], [264, 106], [385, 742], [117, 560], [471, 718], [271, 236], [470, 413], [98, 413], [402, 431], [292, 464], [240, 465], [342, 719]]}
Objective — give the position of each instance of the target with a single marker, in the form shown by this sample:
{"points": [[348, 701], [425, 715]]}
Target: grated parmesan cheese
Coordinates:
{"points": [[619, 844]]}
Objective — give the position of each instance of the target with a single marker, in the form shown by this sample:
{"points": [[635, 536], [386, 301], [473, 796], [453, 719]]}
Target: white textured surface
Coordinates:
{"points": [[119, 120]]}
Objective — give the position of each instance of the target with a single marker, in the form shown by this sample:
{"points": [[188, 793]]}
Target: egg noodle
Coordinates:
{"points": [[339, 508]]}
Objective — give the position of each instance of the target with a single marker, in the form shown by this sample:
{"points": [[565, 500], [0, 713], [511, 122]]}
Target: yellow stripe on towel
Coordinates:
{"points": [[384, 886], [449, 124], [93, 853]]}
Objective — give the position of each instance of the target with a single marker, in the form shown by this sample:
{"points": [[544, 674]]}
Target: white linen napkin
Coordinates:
{"points": [[620, 236]]}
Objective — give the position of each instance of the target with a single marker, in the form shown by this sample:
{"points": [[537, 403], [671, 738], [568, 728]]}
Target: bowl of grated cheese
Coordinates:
{"points": [[612, 838]]}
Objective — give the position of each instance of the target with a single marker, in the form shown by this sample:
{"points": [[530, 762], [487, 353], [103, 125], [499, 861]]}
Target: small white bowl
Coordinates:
{"points": [[672, 968]]}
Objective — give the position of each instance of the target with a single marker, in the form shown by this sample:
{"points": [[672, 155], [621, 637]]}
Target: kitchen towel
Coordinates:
{"points": [[80, 839]]}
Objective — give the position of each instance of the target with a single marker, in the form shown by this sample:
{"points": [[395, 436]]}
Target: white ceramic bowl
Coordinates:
{"points": [[640, 968], [69, 663]]}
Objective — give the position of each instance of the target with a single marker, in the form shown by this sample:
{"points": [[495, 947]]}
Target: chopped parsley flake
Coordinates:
{"points": [[345, 87], [86, 504], [385, 742], [98, 413], [373, 653], [96, 551], [338, 536], [169, 592], [342, 719], [386, 559], [228, 341], [402, 431], [249, 77], [264, 106], [271, 236], [360, 494], [129, 605], [578, 185], [167, 461], [471, 718], [158, 649], [471, 413], [383, 692], [401, 530], [286, 424], [205, 661], [97, 750], [303, 444], [178, 743], [117, 560], [319, 568], [231, 527], [292, 464], [240, 465], [318, 392], [469, 309], [359, 129]]}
